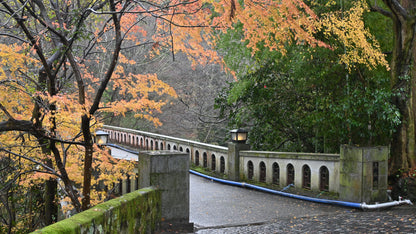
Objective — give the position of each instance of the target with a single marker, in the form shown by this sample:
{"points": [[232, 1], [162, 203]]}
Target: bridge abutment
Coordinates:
{"points": [[169, 172], [363, 174]]}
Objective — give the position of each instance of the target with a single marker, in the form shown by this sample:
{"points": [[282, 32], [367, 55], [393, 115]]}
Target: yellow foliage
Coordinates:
{"points": [[274, 23], [360, 45], [13, 59]]}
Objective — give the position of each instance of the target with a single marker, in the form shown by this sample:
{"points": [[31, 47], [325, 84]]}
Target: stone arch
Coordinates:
{"points": [[290, 170], [323, 179], [306, 177], [276, 173], [205, 159], [197, 158], [250, 170], [222, 164], [262, 167]]}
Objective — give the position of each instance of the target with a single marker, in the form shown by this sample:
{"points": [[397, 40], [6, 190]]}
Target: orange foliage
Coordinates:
{"points": [[189, 27]]}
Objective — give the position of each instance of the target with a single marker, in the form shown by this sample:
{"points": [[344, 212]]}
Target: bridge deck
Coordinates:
{"points": [[216, 208], [218, 205]]}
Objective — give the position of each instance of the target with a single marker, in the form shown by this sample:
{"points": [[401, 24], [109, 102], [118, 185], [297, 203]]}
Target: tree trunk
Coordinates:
{"points": [[403, 80], [85, 127], [51, 209]]}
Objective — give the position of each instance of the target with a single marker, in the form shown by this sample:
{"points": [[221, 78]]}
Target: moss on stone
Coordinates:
{"points": [[136, 212]]}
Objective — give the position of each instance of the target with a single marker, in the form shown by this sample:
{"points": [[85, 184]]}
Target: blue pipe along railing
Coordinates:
{"points": [[355, 205]]}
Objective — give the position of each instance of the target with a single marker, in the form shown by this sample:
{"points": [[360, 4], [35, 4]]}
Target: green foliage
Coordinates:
{"points": [[306, 101]]}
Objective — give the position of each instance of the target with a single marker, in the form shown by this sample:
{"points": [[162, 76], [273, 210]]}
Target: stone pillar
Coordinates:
{"points": [[363, 174], [169, 172], [234, 159]]}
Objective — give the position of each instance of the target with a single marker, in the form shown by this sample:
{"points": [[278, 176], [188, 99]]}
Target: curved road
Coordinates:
{"points": [[219, 208], [217, 205]]}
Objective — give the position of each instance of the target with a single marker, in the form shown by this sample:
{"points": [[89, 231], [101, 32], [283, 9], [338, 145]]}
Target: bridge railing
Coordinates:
{"points": [[362, 172], [319, 172], [201, 154]]}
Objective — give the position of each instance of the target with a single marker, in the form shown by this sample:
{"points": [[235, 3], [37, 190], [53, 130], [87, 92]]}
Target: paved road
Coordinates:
{"points": [[218, 208]]}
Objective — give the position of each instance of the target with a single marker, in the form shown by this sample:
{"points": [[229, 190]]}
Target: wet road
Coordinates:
{"points": [[218, 205], [218, 208]]}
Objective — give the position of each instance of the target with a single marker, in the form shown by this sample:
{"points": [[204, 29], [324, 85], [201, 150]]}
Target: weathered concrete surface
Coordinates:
{"points": [[217, 205], [169, 172], [394, 220], [218, 208]]}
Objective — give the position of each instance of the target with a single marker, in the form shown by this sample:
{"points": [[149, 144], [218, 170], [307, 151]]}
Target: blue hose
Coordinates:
{"points": [[255, 187]]}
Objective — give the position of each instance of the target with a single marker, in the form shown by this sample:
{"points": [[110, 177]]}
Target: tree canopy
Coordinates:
{"points": [[63, 64], [345, 83]]}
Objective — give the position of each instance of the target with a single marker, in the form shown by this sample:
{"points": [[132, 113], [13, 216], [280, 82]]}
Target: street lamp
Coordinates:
{"points": [[239, 135], [101, 137]]}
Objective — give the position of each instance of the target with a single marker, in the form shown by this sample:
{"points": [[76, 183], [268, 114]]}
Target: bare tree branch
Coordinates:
{"points": [[51, 170]]}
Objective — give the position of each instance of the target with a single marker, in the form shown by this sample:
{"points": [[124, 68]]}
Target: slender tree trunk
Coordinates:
{"points": [[403, 80], [51, 209], [85, 125]]}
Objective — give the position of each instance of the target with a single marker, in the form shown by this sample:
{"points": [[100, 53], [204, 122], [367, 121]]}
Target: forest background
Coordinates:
{"points": [[299, 75]]}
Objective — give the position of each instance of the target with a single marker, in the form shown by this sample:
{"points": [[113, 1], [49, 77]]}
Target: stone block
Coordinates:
{"points": [[168, 171], [363, 174]]}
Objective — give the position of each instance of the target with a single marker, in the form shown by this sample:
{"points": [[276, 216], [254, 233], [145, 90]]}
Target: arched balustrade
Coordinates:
{"points": [[222, 164], [276, 174], [262, 167], [250, 170], [306, 177], [205, 160], [323, 179], [213, 162], [290, 174], [197, 158]]}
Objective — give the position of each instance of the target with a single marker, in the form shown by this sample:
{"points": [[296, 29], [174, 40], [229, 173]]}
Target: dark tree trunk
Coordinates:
{"points": [[51, 208], [85, 125], [403, 81]]}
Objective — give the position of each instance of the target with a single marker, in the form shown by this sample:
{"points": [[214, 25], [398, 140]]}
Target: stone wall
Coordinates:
{"points": [[135, 212]]}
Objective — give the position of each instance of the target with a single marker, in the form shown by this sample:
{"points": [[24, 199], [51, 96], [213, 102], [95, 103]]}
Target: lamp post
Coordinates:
{"points": [[101, 137], [238, 143], [239, 135]]}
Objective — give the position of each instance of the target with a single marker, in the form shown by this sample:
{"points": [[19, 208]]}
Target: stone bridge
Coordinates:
{"points": [[170, 199], [357, 174]]}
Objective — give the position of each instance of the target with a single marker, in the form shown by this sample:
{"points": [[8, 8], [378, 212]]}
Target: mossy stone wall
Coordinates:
{"points": [[135, 212], [363, 174]]}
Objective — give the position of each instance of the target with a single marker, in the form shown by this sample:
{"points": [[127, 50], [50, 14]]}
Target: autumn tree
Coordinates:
{"points": [[272, 26], [59, 59]]}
